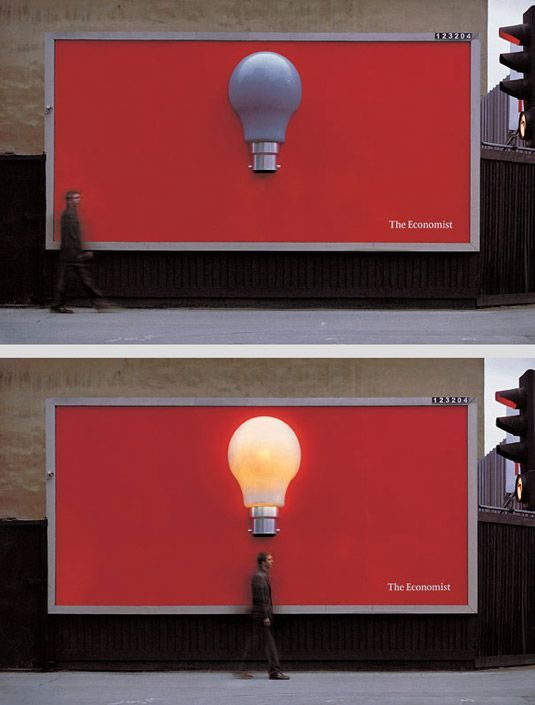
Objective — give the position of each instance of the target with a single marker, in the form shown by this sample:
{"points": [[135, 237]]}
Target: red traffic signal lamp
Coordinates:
{"points": [[523, 426], [522, 62]]}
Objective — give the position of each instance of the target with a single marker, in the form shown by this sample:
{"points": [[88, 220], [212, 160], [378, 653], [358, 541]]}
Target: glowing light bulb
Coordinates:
{"points": [[265, 91], [264, 456]]}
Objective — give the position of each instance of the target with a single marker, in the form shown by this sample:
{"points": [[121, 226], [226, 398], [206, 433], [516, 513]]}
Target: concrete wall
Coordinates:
{"points": [[26, 383], [23, 25]]}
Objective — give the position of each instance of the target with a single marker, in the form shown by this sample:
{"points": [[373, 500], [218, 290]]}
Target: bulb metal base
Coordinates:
{"points": [[264, 156], [264, 521]]}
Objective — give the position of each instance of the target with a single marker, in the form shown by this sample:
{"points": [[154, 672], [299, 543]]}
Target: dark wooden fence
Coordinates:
{"points": [[506, 620], [22, 230], [23, 626], [507, 226], [502, 272], [502, 633]]}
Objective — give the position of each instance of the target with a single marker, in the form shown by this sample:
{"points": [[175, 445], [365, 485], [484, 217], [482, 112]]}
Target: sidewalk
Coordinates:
{"points": [[513, 686], [182, 326]]}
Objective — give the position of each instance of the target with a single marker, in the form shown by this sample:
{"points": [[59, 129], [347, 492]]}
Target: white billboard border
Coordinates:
{"points": [[472, 507], [475, 50]]}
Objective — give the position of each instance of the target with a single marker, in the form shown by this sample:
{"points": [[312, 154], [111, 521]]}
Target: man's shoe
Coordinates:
{"points": [[60, 309], [279, 676], [103, 306]]}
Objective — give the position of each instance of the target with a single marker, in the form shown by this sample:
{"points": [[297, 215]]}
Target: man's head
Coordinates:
{"points": [[72, 198], [264, 560]]}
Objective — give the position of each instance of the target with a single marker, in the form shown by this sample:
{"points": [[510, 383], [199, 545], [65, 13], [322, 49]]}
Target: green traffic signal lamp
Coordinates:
{"points": [[526, 124], [525, 489]]}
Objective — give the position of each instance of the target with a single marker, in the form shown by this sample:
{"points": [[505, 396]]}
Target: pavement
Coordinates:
{"points": [[188, 326], [511, 686]]}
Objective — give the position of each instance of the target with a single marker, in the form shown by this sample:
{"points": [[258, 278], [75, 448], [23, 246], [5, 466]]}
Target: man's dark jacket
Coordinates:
{"points": [[262, 604], [71, 237]]}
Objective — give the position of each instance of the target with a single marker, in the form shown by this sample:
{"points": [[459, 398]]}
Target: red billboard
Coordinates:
{"points": [[146, 516], [381, 154]]}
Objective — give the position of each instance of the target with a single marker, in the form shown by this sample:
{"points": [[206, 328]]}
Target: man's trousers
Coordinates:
{"points": [[261, 637]]}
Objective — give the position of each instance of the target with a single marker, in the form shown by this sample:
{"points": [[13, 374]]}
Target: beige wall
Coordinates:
{"points": [[25, 385], [23, 25]]}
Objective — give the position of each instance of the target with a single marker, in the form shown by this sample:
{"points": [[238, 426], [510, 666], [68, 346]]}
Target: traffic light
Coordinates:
{"points": [[523, 62], [523, 426]]}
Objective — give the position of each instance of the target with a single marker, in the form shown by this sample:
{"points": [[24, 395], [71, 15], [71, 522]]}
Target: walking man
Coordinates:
{"points": [[73, 259], [262, 617]]}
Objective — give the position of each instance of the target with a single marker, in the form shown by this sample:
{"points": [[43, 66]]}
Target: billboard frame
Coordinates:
{"points": [[472, 508], [474, 196]]}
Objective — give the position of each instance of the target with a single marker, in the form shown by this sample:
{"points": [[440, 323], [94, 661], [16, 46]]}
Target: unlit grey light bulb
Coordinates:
{"points": [[265, 91]]}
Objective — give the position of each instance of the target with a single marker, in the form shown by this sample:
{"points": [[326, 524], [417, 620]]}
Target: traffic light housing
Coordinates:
{"points": [[522, 62], [523, 426]]}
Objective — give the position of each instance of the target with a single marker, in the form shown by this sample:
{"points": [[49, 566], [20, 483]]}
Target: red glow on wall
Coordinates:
{"points": [[379, 145], [148, 513]]}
